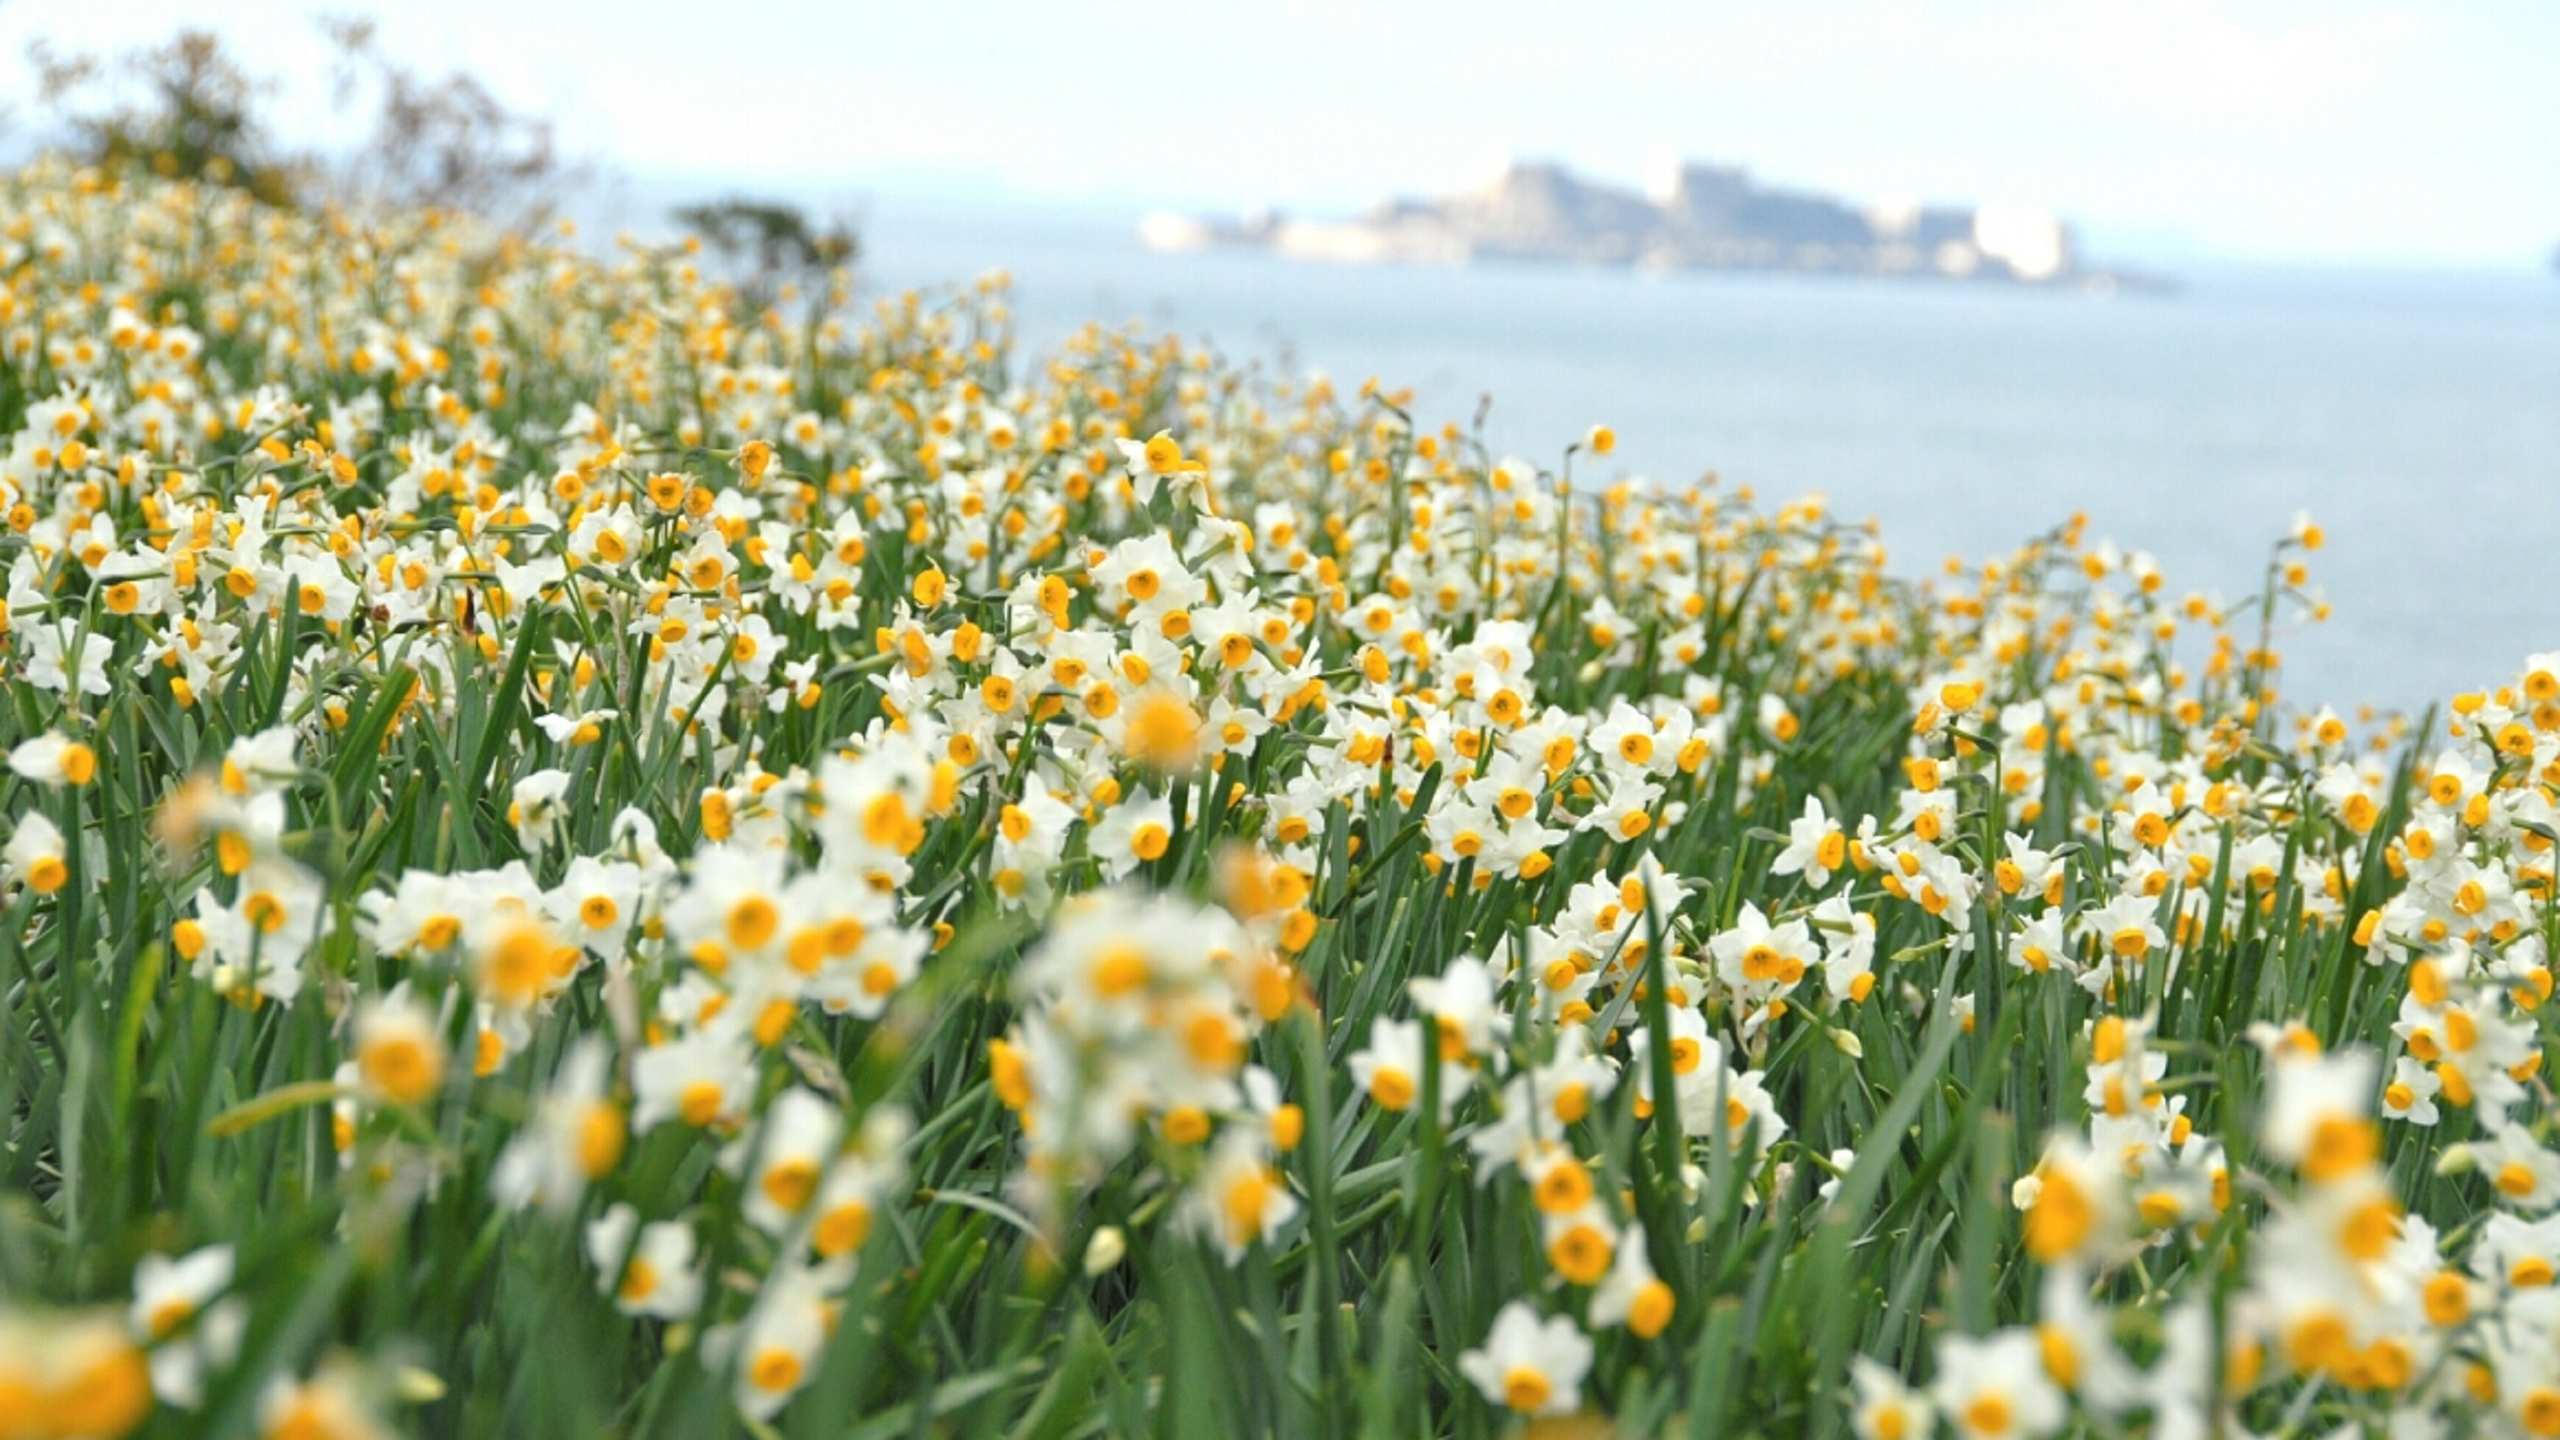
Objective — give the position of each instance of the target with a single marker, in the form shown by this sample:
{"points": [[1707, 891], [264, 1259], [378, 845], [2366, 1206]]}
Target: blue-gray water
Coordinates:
{"points": [[2416, 417]]}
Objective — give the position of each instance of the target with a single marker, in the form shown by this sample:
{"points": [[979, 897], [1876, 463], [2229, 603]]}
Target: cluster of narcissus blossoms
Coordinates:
{"points": [[803, 867]]}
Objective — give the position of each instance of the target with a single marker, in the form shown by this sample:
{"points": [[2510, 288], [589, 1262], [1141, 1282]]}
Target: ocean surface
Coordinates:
{"points": [[2417, 417]]}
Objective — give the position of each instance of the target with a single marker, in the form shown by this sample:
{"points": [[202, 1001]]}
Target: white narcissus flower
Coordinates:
{"points": [[658, 1276], [1815, 846], [35, 854], [577, 1135], [2411, 1095], [174, 1311], [1761, 960], [2078, 1348], [317, 588], [2038, 946], [776, 1347], [1461, 999], [1848, 949], [609, 539], [50, 651], [522, 584], [597, 903], [1995, 1387], [1159, 460], [2318, 1113], [1697, 1058], [1390, 1068], [535, 807], [1885, 1408], [2524, 1173], [1580, 1242], [583, 728], [400, 1057], [1138, 830], [1239, 1197], [331, 1403], [1633, 1295], [1530, 1366], [52, 759], [280, 913], [1777, 721], [790, 1157], [699, 1078], [2127, 927], [733, 904], [2077, 1206]]}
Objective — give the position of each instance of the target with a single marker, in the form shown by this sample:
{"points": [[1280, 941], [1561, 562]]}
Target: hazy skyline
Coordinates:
{"points": [[2375, 133]]}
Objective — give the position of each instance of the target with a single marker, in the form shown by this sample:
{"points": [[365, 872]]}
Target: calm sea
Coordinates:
{"points": [[2417, 417]]}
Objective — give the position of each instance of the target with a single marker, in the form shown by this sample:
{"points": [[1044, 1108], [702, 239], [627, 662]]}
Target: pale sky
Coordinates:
{"points": [[2350, 131]]}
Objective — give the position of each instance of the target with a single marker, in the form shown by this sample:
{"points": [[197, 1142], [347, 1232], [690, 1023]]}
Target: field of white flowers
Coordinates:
{"points": [[583, 860]]}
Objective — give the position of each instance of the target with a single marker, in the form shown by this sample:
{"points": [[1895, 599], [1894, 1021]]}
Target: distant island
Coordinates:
{"points": [[1706, 217]]}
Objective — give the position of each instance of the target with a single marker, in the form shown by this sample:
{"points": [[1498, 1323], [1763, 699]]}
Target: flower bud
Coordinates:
{"points": [[1105, 1250]]}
